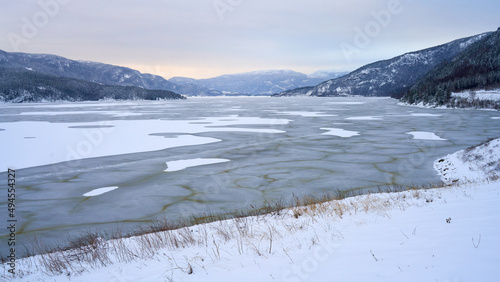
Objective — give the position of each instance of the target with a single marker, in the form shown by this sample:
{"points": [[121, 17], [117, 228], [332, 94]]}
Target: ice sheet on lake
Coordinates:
{"points": [[60, 142], [110, 113], [340, 132], [183, 164], [422, 135], [100, 191]]}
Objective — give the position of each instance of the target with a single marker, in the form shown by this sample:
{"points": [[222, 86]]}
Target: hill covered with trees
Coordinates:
{"points": [[23, 85], [476, 68]]}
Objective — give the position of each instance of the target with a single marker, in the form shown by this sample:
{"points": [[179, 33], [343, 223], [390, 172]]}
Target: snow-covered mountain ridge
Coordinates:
{"points": [[95, 72], [263, 82], [388, 77]]}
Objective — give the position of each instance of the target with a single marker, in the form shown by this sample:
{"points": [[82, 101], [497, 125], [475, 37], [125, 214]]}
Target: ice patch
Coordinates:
{"points": [[346, 103], [340, 132], [183, 164], [111, 113], [100, 191], [101, 139], [422, 135], [425, 115], [495, 118], [366, 118], [305, 114], [124, 137]]}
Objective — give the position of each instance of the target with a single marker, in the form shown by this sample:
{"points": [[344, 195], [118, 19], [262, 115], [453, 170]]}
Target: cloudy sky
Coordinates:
{"points": [[205, 38]]}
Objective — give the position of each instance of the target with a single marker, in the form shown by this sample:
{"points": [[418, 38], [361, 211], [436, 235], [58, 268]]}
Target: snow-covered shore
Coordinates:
{"points": [[491, 95], [480, 163], [476, 100], [443, 234]]}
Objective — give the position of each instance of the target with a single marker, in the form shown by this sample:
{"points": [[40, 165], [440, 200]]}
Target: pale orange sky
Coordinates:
{"points": [[206, 38]]}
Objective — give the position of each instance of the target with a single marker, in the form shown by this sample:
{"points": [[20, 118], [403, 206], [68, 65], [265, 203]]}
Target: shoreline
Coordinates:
{"points": [[304, 242]]}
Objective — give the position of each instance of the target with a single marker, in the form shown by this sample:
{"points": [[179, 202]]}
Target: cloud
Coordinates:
{"points": [[192, 36]]}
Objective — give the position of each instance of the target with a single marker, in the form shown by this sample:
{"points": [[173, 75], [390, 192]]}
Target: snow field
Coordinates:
{"points": [[471, 165], [420, 235]]}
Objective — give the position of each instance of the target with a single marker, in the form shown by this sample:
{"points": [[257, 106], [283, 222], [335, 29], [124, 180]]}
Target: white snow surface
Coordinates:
{"points": [[425, 115], [36, 143], [340, 132], [183, 164], [492, 95], [423, 135], [443, 234], [100, 191], [471, 165], [305, 114], [366, 118]]}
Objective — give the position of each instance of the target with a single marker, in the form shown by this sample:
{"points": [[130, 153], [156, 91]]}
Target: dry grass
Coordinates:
{"points": [[241, 230]]}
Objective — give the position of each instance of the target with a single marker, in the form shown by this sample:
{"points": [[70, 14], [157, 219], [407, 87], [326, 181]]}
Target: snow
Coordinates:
{"points": [[305, 114], [471, 165], [183, 164], [100, 191], [344, 103], [493, 95], [423, 135], [425, 115], [442, 234], [49, 113], [340, 132], [99, 139], [365, 118]]}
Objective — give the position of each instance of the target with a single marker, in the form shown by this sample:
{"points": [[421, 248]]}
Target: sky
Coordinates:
{"points": [[207, 38]]}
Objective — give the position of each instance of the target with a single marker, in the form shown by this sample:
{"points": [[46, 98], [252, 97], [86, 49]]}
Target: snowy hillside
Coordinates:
{"points": [[471, 165], [95, 72], [444, 234], [389, 77], [473, 70], [482, 95], [259, 82]]}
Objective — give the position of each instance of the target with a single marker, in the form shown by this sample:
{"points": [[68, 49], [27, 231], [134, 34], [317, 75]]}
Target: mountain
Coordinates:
{"points": [[476, 68], [96, 73], [327, 74], [20, 85], [258, 82], [388, 77]]}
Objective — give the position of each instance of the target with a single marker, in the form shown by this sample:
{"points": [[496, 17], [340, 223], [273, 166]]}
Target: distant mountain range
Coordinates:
{"points": [[428, 76], [388, 77], [20, 85], [252, 83], [476, 68], [95, 72], [259, 82]]}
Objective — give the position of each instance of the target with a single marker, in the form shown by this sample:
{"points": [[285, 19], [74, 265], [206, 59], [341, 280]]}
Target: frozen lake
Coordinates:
{"points": [[112, 165]]}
